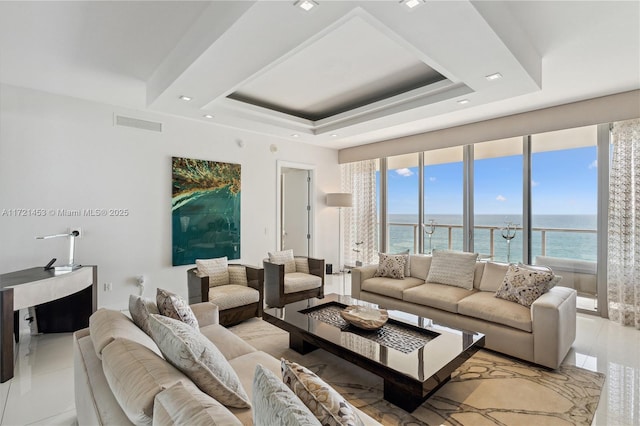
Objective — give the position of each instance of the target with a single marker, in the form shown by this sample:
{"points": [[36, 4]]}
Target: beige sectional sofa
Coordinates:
{"points": [[113, 345], [542, 334]]}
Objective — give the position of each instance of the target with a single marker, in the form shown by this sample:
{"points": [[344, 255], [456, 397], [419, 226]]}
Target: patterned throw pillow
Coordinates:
{"points": [[238, 275], [391, 265], [324, 402], [524, 285], [554, 281], [216, 269], [276, 404], [173, 306], [454, 268], [284, 257], [407, 265], [197, 357], [140, 308]]}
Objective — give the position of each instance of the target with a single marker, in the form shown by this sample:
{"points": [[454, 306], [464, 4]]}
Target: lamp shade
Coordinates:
{"points": [[339, 199]]}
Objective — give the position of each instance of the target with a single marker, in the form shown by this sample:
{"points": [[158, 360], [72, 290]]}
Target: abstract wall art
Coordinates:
{"points": [[205, 210]]}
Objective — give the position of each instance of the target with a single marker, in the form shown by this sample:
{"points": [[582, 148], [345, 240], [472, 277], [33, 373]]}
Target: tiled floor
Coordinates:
{"points": [[41, 393]]}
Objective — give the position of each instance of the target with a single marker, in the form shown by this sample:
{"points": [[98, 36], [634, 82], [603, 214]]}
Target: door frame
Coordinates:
{"points": [[311, 168]]}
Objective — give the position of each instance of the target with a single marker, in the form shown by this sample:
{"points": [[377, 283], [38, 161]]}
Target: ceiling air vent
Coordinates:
{"points": [[138, 124]]}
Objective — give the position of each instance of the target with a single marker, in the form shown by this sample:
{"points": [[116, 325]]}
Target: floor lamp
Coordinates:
{"points": [[339, 200]]}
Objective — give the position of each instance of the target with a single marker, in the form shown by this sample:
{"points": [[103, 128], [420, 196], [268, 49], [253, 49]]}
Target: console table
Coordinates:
{"points": [[63, 303]]}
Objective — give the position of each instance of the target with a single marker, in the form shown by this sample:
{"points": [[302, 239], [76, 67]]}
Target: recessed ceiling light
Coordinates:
{"points": [[295, 135], [494, 76], [306, 5], [185, 98], [208, 116], [463, 101], [412, 3], [334, 135]]}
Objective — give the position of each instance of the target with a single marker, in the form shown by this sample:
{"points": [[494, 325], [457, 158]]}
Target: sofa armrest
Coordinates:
{"points": [[206, 313], [553, 317], [358, 275], [255, 279]]}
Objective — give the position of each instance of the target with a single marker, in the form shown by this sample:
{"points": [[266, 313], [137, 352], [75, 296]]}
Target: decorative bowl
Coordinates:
{"points": [[365, 317]]}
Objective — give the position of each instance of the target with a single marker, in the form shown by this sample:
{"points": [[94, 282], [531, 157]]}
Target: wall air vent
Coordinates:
{"points": [[138, 124]]}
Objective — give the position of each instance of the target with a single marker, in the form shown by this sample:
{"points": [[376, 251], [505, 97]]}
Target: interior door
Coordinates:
{"points": [[296, 219]]}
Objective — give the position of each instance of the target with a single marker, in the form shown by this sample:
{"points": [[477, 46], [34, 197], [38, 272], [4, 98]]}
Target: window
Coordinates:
{"points": [[402, 203]]}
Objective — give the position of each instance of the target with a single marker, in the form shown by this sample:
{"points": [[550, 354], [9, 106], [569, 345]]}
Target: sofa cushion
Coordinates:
{"points": [[232, 296], [140, 308], [299, 281], [391, 265], [136, 375], [485, 306], [216, 269], [420, 266], [173, 306], [452, 268], [325, 403], [180, 405], [238, 275], [106, 325], [524, 285], [389, 286], [284, 257], [197, 357], [438, 296], [492, 276], [275, 404], [228, 343]]}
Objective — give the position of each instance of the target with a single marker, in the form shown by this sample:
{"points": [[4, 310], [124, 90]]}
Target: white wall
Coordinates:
{"points": [[64, 153]]}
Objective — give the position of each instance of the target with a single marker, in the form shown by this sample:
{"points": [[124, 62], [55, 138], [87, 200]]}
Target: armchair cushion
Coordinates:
{"points": [[238, 275], [299, 281], [232, 296], [302, 264], [285, 258], [216, 269]]}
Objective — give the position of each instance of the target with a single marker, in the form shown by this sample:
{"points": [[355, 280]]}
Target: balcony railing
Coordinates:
{"points": [[493, 232]]}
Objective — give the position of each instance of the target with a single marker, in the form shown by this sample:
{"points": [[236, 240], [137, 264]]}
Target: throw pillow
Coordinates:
{"points": [[302, 265], [140, 308], [197, 357], [180, 405], [276, 404], [216, 269], [391, 265], [554, 281], [324, 402], [524, 285], [285, 258], [453, 268], [173, 306]]}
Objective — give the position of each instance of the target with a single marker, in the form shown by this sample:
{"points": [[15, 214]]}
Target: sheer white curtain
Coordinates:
{"points": [[623, 280], [360, 221]]}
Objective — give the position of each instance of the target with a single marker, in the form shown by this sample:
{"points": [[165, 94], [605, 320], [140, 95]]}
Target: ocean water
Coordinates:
{"points": [[568, 243]]}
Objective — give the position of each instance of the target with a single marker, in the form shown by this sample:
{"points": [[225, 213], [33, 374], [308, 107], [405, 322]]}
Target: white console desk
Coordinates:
{"points": [[63, 303]]}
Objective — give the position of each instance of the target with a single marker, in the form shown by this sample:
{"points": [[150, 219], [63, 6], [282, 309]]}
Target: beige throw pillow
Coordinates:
{"points": [[453, 268], [173, 306], [325, 403], [216, 269], [276, 404], [391, 265], [140, 308], [285, 258], [524, 285], [238, 275], [196, 356]]}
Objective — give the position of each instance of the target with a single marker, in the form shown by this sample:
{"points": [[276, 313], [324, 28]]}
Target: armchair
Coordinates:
{"points": [[239, 297], [289, 281]]}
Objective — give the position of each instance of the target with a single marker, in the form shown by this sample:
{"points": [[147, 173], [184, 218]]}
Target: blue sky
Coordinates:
{"points": [[564, 182]]}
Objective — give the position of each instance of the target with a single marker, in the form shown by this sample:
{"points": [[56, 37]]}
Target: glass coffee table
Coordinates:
{"points": [[414, 360]]}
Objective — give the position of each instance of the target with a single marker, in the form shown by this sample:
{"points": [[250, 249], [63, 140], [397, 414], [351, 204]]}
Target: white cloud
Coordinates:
{"points": [[534, 183], [593, 164], [501, 198], [404, 172], [432, 179]]}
